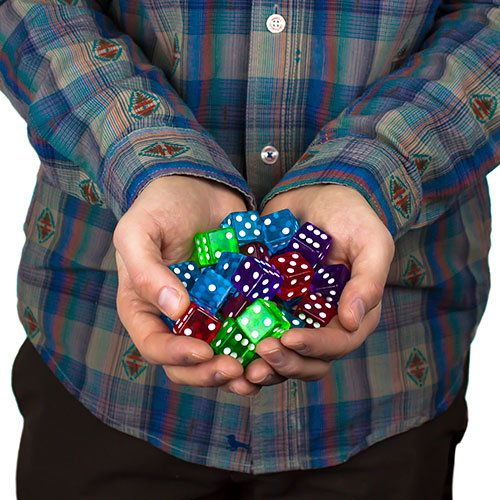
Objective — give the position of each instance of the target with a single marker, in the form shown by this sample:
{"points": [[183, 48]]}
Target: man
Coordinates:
{"points": [[376, 121]]}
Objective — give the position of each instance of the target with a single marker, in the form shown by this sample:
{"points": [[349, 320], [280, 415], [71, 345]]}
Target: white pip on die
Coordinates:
{"points": [[311, 242]]}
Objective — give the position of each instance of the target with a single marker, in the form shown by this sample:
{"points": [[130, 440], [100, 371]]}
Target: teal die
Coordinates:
{"points": [[263, 319], [231, 340], [293, 320], [210, 245]]}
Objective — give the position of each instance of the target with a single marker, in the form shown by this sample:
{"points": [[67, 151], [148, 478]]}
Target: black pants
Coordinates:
{"points": [[68, 453]]}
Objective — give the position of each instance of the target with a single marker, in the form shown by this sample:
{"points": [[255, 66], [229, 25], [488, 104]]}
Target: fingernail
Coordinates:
{"points": [[169, 300], [298, 347], [221, 377], [198, 358], [275, 356], [358, 310], [265, 379]]}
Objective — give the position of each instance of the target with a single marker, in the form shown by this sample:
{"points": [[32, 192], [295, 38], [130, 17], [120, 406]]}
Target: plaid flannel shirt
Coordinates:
{"points": [[396, 98]]}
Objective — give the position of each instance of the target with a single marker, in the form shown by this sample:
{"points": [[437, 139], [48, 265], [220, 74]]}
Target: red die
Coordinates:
{"points": [[315, 310], [297, 273], [234, 306], [197, 322], [256, 249]]}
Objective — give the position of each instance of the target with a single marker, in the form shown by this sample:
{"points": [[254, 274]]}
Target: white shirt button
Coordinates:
{"points": [[275, 23], [269, 154]]}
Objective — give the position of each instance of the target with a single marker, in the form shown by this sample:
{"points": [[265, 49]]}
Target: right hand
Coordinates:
{"points": [[156, 231]]}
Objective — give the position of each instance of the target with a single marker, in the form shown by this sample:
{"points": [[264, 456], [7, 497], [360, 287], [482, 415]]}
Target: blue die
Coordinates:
{"points": [[211, 290], [279, 228], [293, 320], [288, 305], [228, 263], [247, 225], [187, 272]]}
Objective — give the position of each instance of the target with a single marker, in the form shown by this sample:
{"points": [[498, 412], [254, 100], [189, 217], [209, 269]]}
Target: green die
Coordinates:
{"points": [[210, 245], [263, 319], [232, 341]]}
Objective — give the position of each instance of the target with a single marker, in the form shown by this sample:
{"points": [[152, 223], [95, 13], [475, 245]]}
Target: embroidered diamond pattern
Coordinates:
{"points": [[133, 363], [162, 149], [401, 197], [483, 106], [143, 104], [89, 192], [45, 225], [422, 161], [106, 50], [417, 367], [414, 273]]}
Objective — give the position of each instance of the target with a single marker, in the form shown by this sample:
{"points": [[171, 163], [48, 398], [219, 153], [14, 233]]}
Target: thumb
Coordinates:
{"points": [[364, 291], [139, 245]]}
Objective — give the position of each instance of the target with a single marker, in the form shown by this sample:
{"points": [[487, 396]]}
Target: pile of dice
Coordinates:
{"points": [[257, 277]]}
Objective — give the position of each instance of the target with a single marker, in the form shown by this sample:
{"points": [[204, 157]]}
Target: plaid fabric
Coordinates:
{"points": [[398, 99]]}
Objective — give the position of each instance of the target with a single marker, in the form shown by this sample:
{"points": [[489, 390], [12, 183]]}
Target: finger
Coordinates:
{"points": [[150, 334], [213, 373], [260, 372], [288, 363], [138, 244], [241, 386], [333, 341], [363, 292]]}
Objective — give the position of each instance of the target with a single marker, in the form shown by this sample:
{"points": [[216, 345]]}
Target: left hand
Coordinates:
{"points": [[360, 241]]}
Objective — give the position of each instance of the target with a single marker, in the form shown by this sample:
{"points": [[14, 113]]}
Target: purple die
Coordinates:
{"points": [[311, 242], [257, 279], [329, 281], [234, 306]]}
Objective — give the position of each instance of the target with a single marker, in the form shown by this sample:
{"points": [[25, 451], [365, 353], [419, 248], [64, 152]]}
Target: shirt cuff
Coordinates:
{"points": [[378, 172], [148, 153]]}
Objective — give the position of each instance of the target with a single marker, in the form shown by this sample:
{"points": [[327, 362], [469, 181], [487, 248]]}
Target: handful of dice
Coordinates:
{"points": [[257, 277]]}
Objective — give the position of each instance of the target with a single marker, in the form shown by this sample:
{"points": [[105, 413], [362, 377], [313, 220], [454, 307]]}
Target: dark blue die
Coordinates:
{"points": [[187, 272], [211, 290], [293, 320], [279, 228], [288, 305], [247, 226], [228, 263]]}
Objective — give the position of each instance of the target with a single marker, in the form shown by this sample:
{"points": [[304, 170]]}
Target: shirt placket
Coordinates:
{"points": [[277, 432], [269, 71]]}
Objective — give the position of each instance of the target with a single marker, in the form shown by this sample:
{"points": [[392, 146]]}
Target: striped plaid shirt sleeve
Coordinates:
{"points": [[415, 139], [88, 90]]}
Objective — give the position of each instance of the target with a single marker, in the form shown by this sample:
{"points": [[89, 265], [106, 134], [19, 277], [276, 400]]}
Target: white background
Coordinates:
{"points": [[476, 470]]}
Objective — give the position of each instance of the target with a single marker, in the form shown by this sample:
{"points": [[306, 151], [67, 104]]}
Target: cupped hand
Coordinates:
{"points": [[360, 241], [157, 231]]}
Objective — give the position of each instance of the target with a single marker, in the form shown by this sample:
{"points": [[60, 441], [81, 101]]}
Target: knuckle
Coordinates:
{"points": [[170, 373], [206, 378], [291, 370], [326, 357], [375, 290], [119, 232], [140, 280], [343, 347], [146, 355], [313, 377]]}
